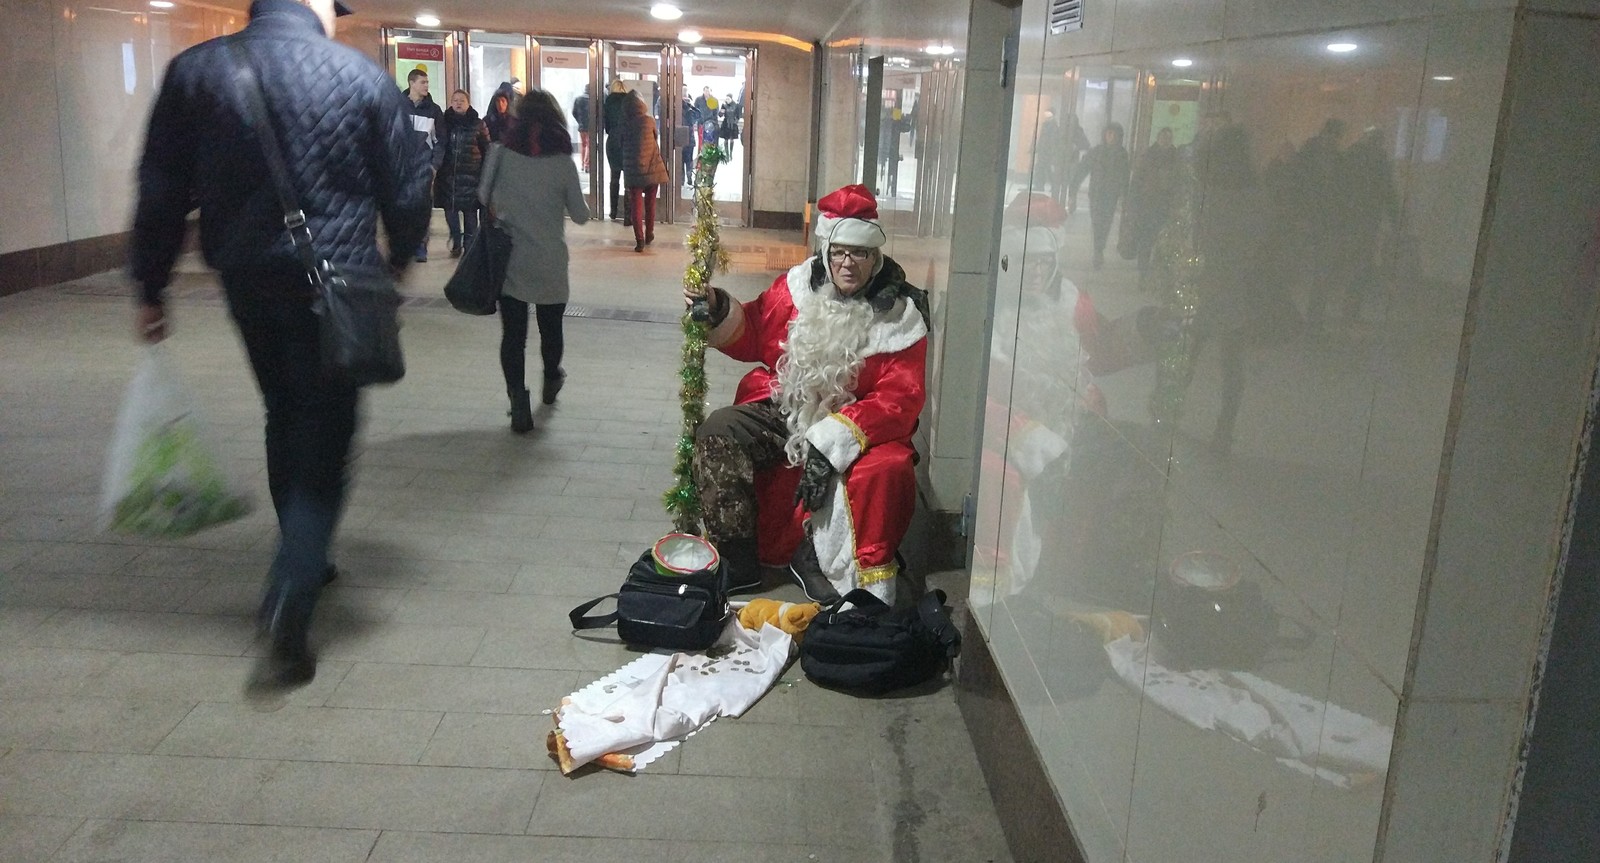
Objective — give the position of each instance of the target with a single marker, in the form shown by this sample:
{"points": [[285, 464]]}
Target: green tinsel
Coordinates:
{"points": [[706, 257], [1175, 275]]}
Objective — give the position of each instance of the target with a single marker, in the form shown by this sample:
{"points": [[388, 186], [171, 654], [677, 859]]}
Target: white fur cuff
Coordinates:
{"points": [[839, 439]]}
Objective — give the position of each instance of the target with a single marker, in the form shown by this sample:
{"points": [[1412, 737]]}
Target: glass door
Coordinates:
{"points": [[564, 69], [717, 88], [639, 68], [433, 52], [494, 59]]}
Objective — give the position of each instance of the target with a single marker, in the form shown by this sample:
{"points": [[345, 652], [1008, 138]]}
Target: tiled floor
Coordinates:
{"points": [[125, 733]]}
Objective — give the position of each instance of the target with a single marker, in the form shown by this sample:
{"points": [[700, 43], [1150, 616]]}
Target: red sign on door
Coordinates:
{"points": [[420, 51]]}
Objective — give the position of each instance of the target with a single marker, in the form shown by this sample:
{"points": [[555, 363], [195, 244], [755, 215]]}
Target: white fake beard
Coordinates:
{"points": [[820, 362]]}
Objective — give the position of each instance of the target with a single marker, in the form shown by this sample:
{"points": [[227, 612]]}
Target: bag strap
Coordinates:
{"points": [[593, 621], [294, 218], [937, 620]]}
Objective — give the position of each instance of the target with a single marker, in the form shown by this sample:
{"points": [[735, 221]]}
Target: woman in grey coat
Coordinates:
{"points": [[530, 186]]}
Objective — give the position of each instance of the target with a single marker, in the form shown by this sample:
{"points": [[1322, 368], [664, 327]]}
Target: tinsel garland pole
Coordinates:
{"points": [[706, 257], [1176, 268]]}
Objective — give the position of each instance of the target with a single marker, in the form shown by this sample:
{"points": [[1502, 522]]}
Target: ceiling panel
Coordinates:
{"points": [[728, 20]]}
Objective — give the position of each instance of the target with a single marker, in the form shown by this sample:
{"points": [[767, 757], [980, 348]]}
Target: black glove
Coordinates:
{"points": [[712, 309], [812, 492]]}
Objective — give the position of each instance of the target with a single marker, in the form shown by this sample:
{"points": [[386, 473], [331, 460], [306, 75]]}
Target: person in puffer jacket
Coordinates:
{"points": [[643, 170], [347, 140], [464, 141]]}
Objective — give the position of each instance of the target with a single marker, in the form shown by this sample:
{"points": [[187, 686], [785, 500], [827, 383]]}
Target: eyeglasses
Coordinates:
{"points": [[838, 254]]}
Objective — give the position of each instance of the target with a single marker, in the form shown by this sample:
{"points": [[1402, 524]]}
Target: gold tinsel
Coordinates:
{"points": [[1175, 279], [706, 257]]}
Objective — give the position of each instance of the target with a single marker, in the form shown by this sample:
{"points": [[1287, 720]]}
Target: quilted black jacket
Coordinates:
{"points": [[346, 136]]}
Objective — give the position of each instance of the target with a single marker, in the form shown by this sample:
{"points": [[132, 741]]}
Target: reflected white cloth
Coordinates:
{"points": [[660, 697], [1314, 737]]}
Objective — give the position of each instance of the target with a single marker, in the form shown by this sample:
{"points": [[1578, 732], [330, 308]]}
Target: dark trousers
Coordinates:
{"points": [[614, 165], [310, 423], [1102, 210], [642, 203], [463, 224], [687, 152], [514, 340]]}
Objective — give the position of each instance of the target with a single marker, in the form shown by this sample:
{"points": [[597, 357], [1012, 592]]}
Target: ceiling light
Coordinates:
{"points": [[1342, 47], [666, 12], [161, 4], [940, 50], [1183, 62], [690, 36], [1444, 77], [701, 49], [427, 20]]}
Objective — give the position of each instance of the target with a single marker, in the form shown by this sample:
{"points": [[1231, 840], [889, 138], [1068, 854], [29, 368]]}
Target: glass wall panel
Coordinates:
{"points": [[1218, 396]]}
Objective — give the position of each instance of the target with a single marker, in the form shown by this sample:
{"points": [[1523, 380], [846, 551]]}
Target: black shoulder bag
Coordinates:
{"points": [[358, 308], [474, 288], [686, 612], [871, 648]]}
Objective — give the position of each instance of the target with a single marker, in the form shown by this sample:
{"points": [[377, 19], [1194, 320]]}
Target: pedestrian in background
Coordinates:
{"points": [[464, 142], [425, 119], [644, 171], [531, 186], [614, 113], [499, 114]]}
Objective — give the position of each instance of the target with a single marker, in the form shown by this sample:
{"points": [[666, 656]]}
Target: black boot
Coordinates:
{"points": [[741, 570], [290, 662], [552, 386], [808, 574], [521, 412]]}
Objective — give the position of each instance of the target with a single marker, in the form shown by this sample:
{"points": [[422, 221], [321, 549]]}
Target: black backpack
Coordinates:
{"points": [[872, 648], [686, 612]]}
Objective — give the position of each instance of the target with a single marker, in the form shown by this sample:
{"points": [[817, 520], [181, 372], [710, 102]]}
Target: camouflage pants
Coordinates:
{"points": [[729, 447]]}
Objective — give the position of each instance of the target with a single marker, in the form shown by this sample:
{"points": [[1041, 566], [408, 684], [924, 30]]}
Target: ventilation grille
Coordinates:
{"points": [[1065, 15]]}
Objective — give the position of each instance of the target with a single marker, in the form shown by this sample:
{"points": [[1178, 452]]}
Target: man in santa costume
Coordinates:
{"points": [[812, 466]]}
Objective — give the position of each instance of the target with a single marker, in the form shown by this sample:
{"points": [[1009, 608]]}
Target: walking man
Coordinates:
{"points": [[346, 132]]}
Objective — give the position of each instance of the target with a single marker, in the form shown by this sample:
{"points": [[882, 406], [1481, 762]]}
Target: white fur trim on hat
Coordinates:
{"points": [[851, 231]]}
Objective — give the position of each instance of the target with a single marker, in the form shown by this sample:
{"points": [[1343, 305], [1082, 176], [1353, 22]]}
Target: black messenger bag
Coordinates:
{"points": [[682, 612], [872, 649]]}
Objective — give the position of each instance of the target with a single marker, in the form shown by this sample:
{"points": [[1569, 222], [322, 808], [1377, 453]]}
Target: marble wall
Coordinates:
{"points": [[1280, 419], [83, 77]]}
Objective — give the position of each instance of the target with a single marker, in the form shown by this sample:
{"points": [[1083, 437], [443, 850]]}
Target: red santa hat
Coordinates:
{"points": [[849, 216]]}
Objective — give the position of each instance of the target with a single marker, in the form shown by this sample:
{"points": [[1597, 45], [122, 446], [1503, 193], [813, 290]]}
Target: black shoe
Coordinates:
{"points": [[552, 386], [455, 251], [649, 238], [521, 412], [638, 245], [283, 669], [329, 575], [808, 574]]}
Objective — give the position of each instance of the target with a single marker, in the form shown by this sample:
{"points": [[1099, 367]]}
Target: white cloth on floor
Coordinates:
{"points": [[661, 697], [1314, 737]]}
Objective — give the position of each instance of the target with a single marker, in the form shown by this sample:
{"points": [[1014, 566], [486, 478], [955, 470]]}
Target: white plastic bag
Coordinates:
{"points": [[163, 476]]}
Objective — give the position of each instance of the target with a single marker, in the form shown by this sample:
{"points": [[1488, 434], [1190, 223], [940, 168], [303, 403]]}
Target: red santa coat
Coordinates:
{"points": [[867, 441]]}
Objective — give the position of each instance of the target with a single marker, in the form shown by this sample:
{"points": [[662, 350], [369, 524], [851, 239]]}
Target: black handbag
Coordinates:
{"points": [[358, 309], [682, 612], [872, 649], [480, 274]]}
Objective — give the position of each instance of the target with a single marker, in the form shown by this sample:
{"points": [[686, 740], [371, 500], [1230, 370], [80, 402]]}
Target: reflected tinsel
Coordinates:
{"points": [[1176, 264], [706, 257]]}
